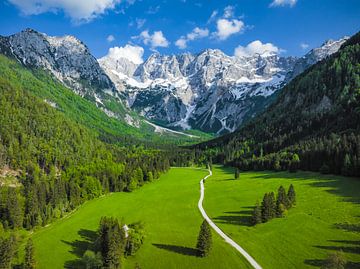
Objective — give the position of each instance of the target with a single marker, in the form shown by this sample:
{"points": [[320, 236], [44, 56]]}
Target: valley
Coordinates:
{"points": [[168, 209], [179, 134]]}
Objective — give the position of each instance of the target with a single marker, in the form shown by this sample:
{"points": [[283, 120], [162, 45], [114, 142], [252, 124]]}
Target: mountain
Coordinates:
{"points": [[69, 61], [209, 91], [313, 124]]}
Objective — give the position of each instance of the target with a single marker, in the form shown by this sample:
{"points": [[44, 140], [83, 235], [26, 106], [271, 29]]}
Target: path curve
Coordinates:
{"points": [[219, 231]]}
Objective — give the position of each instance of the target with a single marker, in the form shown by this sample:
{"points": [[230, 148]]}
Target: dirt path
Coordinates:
{"points": [[219, 231]]}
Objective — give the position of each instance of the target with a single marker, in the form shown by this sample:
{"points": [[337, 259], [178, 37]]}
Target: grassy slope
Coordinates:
{"points": [[326, 217], [168, 208]]}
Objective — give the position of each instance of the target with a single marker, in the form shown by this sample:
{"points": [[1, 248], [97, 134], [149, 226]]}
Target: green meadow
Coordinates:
{"points": [[168, 208], [326, 217]]}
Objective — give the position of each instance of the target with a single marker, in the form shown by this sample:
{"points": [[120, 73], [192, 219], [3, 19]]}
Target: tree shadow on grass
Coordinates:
{"points": [[347, 249], [350, 227], [319, 263], [345, 187], [242, 217], [87, 242], [350, 246], [178, 249]]}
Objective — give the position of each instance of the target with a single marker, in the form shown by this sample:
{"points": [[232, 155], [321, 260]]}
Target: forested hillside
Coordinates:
{"points": [[49, 163], [109, 128], [314, 124]]}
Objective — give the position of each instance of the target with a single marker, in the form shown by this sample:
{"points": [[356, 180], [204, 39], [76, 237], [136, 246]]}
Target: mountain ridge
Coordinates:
{"points": [[205, 90]]}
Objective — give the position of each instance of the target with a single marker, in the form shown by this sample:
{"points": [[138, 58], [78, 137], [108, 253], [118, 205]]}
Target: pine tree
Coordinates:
{"points": [[282, 202], [237, 173], [204, 242], [256, 216], [335, 261], [112, 242], [291, 196], [295, 162], [268, 207], [30, 262], [7, 249]]}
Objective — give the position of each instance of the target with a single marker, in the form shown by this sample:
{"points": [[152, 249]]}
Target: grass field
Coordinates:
{"points": [[168, 207], [326, 217]]}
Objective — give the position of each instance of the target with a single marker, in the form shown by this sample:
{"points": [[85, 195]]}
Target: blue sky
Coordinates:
{"points": [[288, 27]]}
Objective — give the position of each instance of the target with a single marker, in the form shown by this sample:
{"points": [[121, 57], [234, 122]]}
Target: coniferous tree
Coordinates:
{"points": [[7, 250], [295, 162], [268, 207], [335, 261], [291, 196], [204, 241], [112, 242], [237, 173], [30, 262], [282, 202], [256, 216]]}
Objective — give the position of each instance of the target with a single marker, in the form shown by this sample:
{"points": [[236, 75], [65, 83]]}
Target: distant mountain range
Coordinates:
{"points": [[209, 91]]}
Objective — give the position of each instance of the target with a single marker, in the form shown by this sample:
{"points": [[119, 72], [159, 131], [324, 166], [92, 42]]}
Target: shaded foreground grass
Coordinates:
{"points": [[168, 208], [326, 217]]}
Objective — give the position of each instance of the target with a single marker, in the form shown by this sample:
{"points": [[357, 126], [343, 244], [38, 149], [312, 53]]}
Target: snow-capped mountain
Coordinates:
{"points": [[70, 61], [210, 91], [315, 55], [67, 58]]}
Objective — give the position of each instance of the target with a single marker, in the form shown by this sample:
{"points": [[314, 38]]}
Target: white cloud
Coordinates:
{"points": [[304, 46], [228, 12], [256, 47], [77, 10], [140, 22], [226, 28], [181, 43], [282, 3], [196, 33], [212, 16], [110, 38], [157, 39], [132, 53]]}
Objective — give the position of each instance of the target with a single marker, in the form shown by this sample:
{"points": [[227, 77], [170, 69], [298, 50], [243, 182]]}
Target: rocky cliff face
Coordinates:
{"points": [[70, 61], [67, 58], [210, 91]]}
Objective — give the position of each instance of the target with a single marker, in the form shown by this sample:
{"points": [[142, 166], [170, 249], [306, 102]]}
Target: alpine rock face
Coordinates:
{"points": [[210, 91], [67, 59]]}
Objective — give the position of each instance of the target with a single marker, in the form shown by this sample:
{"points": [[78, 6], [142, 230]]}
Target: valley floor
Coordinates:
{"points": [[168, 208], [325, 219]]}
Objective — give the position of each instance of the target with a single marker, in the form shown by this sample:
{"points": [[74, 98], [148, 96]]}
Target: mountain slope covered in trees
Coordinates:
{"points": [[76, 108], [313, 125], [56, 162]]}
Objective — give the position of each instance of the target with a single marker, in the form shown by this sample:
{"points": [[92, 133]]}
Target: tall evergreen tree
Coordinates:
{"points": [[256, 216], [291, 196], [204, 241], [30, 262], [335, 261], [282, 202], [112, 242], [237, 173], [7, 250], [268, 207]]}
